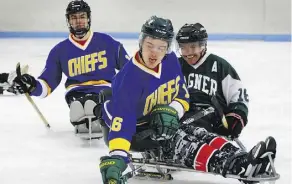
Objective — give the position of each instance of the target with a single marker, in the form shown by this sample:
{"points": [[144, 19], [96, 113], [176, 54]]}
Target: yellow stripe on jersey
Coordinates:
{"points": [[119, 144], [184, 103], [49, 89], [89, 83]]}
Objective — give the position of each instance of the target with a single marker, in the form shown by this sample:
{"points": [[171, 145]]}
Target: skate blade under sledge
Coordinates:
{"points": [[271, 177], [144, 175]]}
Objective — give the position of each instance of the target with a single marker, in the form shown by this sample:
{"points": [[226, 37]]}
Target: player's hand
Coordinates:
{"points": [[24, 83], [111, 169], [235, 124], [164, 121]]}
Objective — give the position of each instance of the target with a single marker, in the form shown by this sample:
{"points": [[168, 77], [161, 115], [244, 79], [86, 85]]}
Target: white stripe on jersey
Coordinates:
{"points": [[233, 90]]}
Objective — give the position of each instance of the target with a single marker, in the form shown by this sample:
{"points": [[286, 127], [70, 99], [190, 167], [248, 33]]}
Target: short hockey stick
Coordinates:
{"points": [[18, 73]]}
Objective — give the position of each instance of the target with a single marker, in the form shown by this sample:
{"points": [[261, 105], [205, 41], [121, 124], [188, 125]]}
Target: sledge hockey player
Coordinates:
{"points": [[208, 75], [88, 59], [149, 93]]}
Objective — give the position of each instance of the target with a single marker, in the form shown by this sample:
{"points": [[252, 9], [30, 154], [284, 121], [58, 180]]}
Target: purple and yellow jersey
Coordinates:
{"points": [[136, 90], [85, 66]]}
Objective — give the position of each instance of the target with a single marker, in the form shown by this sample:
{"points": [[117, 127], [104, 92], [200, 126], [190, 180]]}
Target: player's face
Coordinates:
{"points": [[78, 20], [191, 52], [153, 51]]}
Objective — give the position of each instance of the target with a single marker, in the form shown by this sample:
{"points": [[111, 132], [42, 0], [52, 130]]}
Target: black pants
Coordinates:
{"points": [[72, 96], [102, 96], [147, 144], [136, 144]]}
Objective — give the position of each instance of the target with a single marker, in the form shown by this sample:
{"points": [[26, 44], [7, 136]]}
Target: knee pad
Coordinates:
{"points": [[83, 107], [77, 112]]}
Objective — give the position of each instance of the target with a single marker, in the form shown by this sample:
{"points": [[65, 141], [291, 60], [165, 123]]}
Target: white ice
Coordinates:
{"points": [[30, 154]]}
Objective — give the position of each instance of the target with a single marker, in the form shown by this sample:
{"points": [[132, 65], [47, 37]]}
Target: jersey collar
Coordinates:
{"points": [[147, 70], [202, 60], [82, 47]]}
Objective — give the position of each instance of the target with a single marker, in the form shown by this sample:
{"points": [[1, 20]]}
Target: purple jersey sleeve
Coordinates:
{"points": [[122, 58], [50, 77], [124, 102]]}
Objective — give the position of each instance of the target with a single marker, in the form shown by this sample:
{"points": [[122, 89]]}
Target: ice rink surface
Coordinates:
{"points": [[30, 154]]}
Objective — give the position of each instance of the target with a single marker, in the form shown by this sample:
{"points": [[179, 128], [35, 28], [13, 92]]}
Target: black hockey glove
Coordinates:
{"points": [[236, 122], [111, 169], [4, 77], [164, 121], [25, 83]]}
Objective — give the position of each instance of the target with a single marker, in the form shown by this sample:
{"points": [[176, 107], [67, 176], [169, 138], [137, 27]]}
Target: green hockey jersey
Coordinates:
{"points": [[213, 75]]}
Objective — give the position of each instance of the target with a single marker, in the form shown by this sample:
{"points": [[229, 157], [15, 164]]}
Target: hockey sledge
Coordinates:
{"points": [[165, 167], [90, 135]]}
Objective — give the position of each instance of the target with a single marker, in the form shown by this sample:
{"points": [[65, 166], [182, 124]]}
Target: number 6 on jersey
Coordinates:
{"points": [[117, 124]]}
